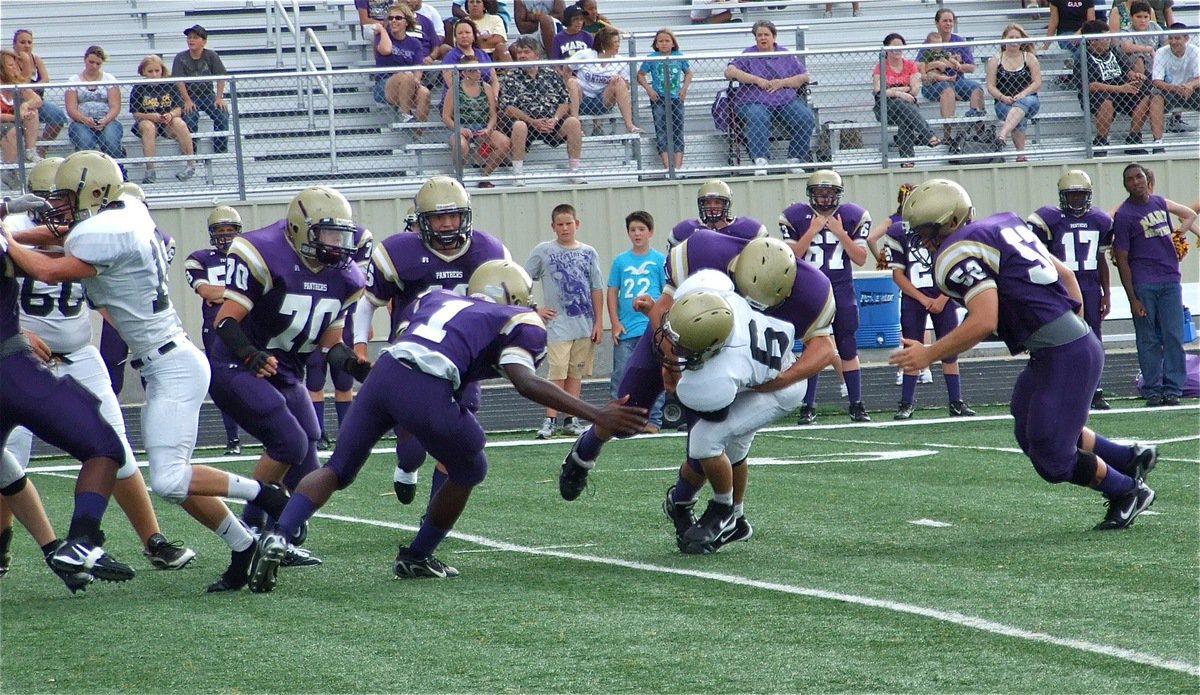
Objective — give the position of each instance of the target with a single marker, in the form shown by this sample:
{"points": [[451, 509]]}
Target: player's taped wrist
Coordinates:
{"points": [[230, 331], [344, 359]]}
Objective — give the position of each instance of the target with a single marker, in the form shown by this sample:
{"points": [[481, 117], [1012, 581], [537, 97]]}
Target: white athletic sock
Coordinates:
{"points": [[738, 512], [518, 166], [243, 488], [234, 534], [723, 497]]}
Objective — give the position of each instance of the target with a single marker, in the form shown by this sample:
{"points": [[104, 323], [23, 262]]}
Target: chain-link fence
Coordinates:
{"points": [[695, 113]]}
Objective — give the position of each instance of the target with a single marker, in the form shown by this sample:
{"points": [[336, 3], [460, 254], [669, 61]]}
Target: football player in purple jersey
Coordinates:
{"points": [[920, 302], [448, 342], [714, 202], [1013, 286], [205, 272], [314, 369], [1077, 233], [827, 232], [443, 253], [288, 287]]}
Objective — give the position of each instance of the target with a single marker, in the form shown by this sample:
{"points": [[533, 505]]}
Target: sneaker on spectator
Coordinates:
{"points": [[577, 180], [760, 162], [1178, 125], [1158, 147], [843, 390], [576, 426], [150, 176], [32, 156], [1099, 141], [925, 376], [547, 430], [188, 172], [1134, 139], [165, 555], [828, 14], [857, 13]]}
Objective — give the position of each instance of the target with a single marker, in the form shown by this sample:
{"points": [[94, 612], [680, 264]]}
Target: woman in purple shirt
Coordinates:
{"points": [[395, 48], [769, 93], [464, 34]]}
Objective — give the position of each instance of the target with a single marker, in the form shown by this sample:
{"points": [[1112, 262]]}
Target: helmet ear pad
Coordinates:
{"points": [[502, 281]]}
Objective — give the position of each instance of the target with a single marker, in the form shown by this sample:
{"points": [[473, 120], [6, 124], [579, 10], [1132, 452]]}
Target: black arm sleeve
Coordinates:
{"points": [[344, 359], [231, 332]]}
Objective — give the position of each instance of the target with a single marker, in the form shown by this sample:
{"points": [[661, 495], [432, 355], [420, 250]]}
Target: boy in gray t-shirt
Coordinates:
{"points": [[572, 304], [200, 61]]}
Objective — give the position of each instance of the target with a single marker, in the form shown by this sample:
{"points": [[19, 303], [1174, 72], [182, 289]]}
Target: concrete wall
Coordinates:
{"points": [[522, 217]]}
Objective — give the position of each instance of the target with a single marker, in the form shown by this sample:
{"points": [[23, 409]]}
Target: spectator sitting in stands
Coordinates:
{"points": [[430, 20], [492, 37], [570, 40], [593, 21], [945, 72], [1066, 17], [903, 86], [94, 109], [539, 19], [1013, 79], [477, 112], [597, 86], [769, 93], [1176, 81], [1120, 16], [464, 44], [1163, 14], [1113, 85], [668, 82], [197, 61], [33, 69], [496, 7], [372, 12], [395, 48], [1140, 49], [157, 110], [715, 11], [533, 103], [12, 117], [854, 9]]}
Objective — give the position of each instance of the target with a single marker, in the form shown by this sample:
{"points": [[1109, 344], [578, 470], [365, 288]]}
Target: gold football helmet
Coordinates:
{"points": [[1075, 193], [41, 176], [764, 272], [132, 189], [224, 224], [440, 195], [85, 182], [824, 190], [714, 200], [504, 282], [696, 327], [320, 226]]}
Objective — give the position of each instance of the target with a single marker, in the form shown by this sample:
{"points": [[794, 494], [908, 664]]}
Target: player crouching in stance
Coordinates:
{"points": [[1012, 285], [722, 349], [449, 342]]}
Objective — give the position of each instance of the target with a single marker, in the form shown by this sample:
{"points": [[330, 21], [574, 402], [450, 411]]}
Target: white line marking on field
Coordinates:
{"points": [[935, 524], [952, 617], [848, 457], [543, 547]]}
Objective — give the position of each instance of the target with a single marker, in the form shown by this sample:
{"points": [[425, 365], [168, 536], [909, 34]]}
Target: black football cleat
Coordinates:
{"points": [[75, 581], [904, 411], [808, 415], [299, 557], [406, 487], [1124, 509], [5, 550], [408, 566], [264, 566], [741, 531], [80, 555], [716, 522], [237, 574], [572, 478], [960, 409], [233, 447], [273, 498], [165, 555], [858, 412], [681, 515], [1145, 458], [1099, 402]]}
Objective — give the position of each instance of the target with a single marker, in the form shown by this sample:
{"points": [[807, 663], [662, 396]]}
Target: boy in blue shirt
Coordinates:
{"points": [[640, 270]]}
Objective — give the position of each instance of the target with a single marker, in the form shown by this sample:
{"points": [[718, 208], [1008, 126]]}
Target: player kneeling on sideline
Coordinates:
{"points": [[1010, 284], [449, 341], [732, 364]]}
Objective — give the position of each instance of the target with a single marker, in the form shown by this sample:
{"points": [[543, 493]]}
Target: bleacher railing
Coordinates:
{"points": [[324, 125]]}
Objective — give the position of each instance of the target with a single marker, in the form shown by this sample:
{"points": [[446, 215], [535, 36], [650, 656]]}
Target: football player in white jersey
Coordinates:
{"points": [[110, 246], [57, 325], [722, 349]]}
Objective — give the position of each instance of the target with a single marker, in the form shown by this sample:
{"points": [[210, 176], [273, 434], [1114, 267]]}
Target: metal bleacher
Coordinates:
{"points": [[333, 129]]}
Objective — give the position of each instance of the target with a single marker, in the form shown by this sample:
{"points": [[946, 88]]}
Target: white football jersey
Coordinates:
{"points": [[56, 313], [758, 349], [131, 274]]}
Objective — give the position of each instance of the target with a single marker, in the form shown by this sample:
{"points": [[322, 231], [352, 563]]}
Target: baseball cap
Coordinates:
{"points": [[571, 13], [197, 30], [1178, 25]]}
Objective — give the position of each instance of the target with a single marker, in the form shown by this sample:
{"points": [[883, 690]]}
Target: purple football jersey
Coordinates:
{"points": [[703, 249], [1144, 230], [741, 227], [825, 251], [900, 256], [810, 307], [465, 339], [402, 267], [1076, 241], [289, 305], [206, 266], [1001, 253]]}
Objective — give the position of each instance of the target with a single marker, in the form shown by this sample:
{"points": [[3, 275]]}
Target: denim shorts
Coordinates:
{"points": [[593, 106]]}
